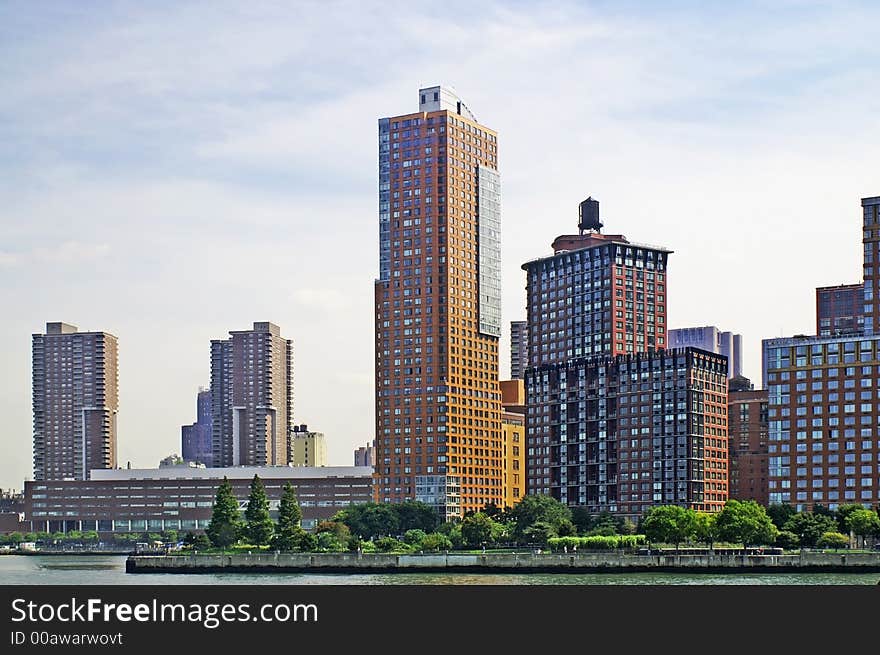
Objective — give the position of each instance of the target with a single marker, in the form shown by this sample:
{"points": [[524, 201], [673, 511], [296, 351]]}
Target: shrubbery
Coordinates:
{"points": [[597, 542]]}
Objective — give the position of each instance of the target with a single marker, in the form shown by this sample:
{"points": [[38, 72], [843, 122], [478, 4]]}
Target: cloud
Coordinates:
{"points": [[66, 253]]}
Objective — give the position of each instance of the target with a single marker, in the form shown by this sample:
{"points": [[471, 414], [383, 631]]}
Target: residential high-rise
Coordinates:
{"points": [[195, 439], [822, 407], [519, 349], [614, 421], [712, 339], [438, 308], [75, 402], [840, 310], [251, 397], [307, 448], [364, 455], [597, 294], [748, 431]]}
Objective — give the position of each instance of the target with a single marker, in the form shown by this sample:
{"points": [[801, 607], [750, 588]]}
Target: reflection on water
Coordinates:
{"points": [[110, 570]]}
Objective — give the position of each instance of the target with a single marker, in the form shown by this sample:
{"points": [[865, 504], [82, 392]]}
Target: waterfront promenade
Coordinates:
{"points": [[594, 562]]}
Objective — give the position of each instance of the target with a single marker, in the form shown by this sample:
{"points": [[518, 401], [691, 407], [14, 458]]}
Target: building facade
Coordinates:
{"points": [[513, 421], [624, 433], [307, 448], [714, 340], [152, 500], [519, 349], [438, 309], [840, 310], [748, 429], [251, 397], [598, 294], [871, 263], [195, 439], [614, 422], [75, 402], [824, 404], [365, 455]]}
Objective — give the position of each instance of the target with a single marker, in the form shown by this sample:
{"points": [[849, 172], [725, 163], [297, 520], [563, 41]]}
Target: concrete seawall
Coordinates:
{"points": [[503, 562]]}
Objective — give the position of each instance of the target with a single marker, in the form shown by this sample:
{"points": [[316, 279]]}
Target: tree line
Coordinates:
{"points": [[535, 521]]}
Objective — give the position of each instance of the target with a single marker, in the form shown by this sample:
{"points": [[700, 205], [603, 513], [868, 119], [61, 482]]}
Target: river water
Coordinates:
{"points": [[110, 570]]}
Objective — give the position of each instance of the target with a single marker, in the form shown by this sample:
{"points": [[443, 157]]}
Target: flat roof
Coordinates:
{"points": [[234, 473]]}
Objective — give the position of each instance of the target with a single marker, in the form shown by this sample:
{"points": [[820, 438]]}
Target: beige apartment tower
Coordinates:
{"points": [[251, 397], [307, 448], [75, 402]]}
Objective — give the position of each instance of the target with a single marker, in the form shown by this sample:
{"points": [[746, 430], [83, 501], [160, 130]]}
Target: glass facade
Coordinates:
{"points": [[489, 249]]}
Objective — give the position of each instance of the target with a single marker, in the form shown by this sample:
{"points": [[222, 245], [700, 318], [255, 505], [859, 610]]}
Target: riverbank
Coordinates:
{"points": [[818, 562]]}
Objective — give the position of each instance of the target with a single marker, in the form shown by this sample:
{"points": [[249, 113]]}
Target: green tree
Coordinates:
{"points": [[833, 540], [809, 527], [627, 527], [414, 538], [705, 529], [339, 530], [669, 524], [390, 544], [370, 520], [787, 540], [779, 513], [258, 529], [288, 532], [435, 541], [476, 529], [225, 526], [842, 514], [416, 515], [544, 509], [746, 522], [540, 533], [581, 519], [821, 510], [863, 523], [197, 541], [306, 542], [328, 543], [289, 513], [452, 531]]}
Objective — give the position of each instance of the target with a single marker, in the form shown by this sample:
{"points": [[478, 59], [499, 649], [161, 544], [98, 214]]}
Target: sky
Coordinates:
{"points": [[171, 171]]}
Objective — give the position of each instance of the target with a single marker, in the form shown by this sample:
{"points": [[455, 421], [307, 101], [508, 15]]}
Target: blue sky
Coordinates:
{"points": [[173, 171]]}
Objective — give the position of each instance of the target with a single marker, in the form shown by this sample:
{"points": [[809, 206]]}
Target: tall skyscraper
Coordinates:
{"points": [[195, 439], [614, 422], [251, 397], [438, 308], [75, 400], [822, 410], [840, 310], [712, 339], [519, 349]]}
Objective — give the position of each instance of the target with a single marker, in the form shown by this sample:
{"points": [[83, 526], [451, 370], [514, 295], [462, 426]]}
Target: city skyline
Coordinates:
{"points": [[122, 193]]}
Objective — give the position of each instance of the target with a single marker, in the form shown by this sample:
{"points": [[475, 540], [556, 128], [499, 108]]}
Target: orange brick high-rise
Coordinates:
{"points": [[438, 309]]}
